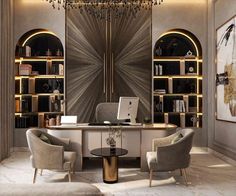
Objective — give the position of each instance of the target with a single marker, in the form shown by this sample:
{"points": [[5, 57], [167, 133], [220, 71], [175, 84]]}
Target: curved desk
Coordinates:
{"points": [[136, 139]]}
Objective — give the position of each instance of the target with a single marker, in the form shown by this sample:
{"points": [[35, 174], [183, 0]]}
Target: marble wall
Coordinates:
{"points": [[221, 134]]}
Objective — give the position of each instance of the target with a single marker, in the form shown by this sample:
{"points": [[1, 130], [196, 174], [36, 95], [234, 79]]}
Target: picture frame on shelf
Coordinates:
{"points": [[226, 71]]}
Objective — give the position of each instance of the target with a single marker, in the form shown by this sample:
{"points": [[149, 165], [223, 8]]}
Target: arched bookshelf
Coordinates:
{"points": [[177, 79], [39, 78]]}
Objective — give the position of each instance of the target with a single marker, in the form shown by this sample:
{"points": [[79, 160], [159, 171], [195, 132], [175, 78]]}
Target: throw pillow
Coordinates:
{"points": [[177, 138], [44, 138]]}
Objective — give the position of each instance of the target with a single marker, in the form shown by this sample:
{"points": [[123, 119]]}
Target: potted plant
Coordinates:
{"points": [[114, 133]]}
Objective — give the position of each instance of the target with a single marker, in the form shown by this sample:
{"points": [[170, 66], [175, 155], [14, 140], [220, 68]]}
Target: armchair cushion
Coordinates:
{"points": [[44, 138], [177, 138]]}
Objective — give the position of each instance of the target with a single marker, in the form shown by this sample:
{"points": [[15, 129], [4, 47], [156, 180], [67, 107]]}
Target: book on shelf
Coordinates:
{"points": [[179, 106], [159, 106], [17, 69], [158, 70], [17, 86], [160, 91], [26, 104], [27, 51], [22, 121], [24, 86], [61, 69], [34, 104], [41, 121], [182, 67], [17, 105], [170, 85], [31, 86], [48, 67]]}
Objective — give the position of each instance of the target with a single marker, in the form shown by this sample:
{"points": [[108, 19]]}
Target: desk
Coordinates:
{"points": [[136, 139]]}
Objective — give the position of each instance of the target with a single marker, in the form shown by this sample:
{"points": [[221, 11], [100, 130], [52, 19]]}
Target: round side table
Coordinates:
{"points": [[110, 162]]}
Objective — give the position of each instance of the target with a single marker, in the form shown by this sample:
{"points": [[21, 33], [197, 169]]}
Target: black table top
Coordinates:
{"points": [[108, 152]]}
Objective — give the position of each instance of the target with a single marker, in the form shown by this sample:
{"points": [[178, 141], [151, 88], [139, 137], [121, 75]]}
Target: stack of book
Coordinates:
{"points": [[179, 106], [160, 91], [25, 69], [159, 106]]}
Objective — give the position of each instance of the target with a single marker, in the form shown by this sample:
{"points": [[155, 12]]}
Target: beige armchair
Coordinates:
{"points": [[171, 153], [51, 155]]}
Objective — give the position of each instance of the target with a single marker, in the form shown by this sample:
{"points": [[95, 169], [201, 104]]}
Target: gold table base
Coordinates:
{"points": [[110, 169]]}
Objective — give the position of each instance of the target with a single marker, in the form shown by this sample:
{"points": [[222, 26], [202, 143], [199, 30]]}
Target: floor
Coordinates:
{"points": [[208, 175]]}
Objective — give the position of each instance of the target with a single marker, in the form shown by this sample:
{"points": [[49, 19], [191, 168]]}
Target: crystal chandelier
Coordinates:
{"points": [[104, 9]]}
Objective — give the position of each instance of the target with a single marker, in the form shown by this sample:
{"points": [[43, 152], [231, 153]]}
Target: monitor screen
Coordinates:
{"points": [[128, 108]]}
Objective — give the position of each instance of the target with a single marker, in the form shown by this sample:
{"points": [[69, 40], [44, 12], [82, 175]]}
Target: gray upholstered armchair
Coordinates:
{"points": [[49, 154], [171, 153]]}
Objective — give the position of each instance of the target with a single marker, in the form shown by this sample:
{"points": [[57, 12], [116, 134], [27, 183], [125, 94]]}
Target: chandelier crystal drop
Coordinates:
{"points": [[105, 9]]}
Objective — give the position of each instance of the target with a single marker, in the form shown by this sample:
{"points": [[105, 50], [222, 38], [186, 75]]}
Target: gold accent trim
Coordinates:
{"points": [[37, 33]]}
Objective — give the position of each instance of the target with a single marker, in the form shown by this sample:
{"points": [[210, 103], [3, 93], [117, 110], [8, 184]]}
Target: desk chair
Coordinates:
{"points": [[107, 112]]}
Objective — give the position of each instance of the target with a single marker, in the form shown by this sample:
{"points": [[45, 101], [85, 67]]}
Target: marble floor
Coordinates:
{"points": [[208, 175]]}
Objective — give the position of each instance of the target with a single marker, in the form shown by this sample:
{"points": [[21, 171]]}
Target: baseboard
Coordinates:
{"points": [[222, 156]]}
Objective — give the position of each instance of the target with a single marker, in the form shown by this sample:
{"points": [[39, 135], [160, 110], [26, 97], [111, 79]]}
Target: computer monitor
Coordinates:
{"points": [[128, 108]]}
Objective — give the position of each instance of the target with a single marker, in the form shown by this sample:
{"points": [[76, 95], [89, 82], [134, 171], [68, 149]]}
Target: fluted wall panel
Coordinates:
{"points": [[123, 43], [6, 78]]}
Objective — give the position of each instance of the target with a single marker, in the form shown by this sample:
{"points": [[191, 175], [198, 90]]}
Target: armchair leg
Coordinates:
{"points": [[181, 172], [73, 168], [35, 174], [41, 172], [150, 178], [185, 177], [69, 174]]}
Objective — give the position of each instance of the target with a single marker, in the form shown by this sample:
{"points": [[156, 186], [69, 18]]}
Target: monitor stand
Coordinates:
{"points": [[132, 120]]}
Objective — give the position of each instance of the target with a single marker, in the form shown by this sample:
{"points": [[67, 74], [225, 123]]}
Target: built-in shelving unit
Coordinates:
{"points": [[177, 80], [39, 79]]}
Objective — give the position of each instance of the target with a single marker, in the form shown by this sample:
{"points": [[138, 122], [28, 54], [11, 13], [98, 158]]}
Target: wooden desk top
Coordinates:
{"points": [[85, 126]]}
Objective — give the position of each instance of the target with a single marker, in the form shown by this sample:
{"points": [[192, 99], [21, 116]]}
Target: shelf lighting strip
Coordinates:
{"points": [[39, 76], [177, 32], [181, 113], [177, 59], [46, 59], [173, 95], [184, 76], [37, 33], [38, 94]]}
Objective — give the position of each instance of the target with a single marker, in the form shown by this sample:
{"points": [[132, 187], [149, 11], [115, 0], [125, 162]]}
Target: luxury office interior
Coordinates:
{"points": [[117, 97]]}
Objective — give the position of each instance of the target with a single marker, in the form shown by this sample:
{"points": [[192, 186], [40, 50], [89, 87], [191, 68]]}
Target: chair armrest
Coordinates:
{"points": [[47, 156], [164, 141]]}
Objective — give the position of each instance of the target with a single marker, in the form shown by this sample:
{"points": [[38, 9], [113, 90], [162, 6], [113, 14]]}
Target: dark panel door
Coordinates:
{"points": [[85, 58], [131, 59]]}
